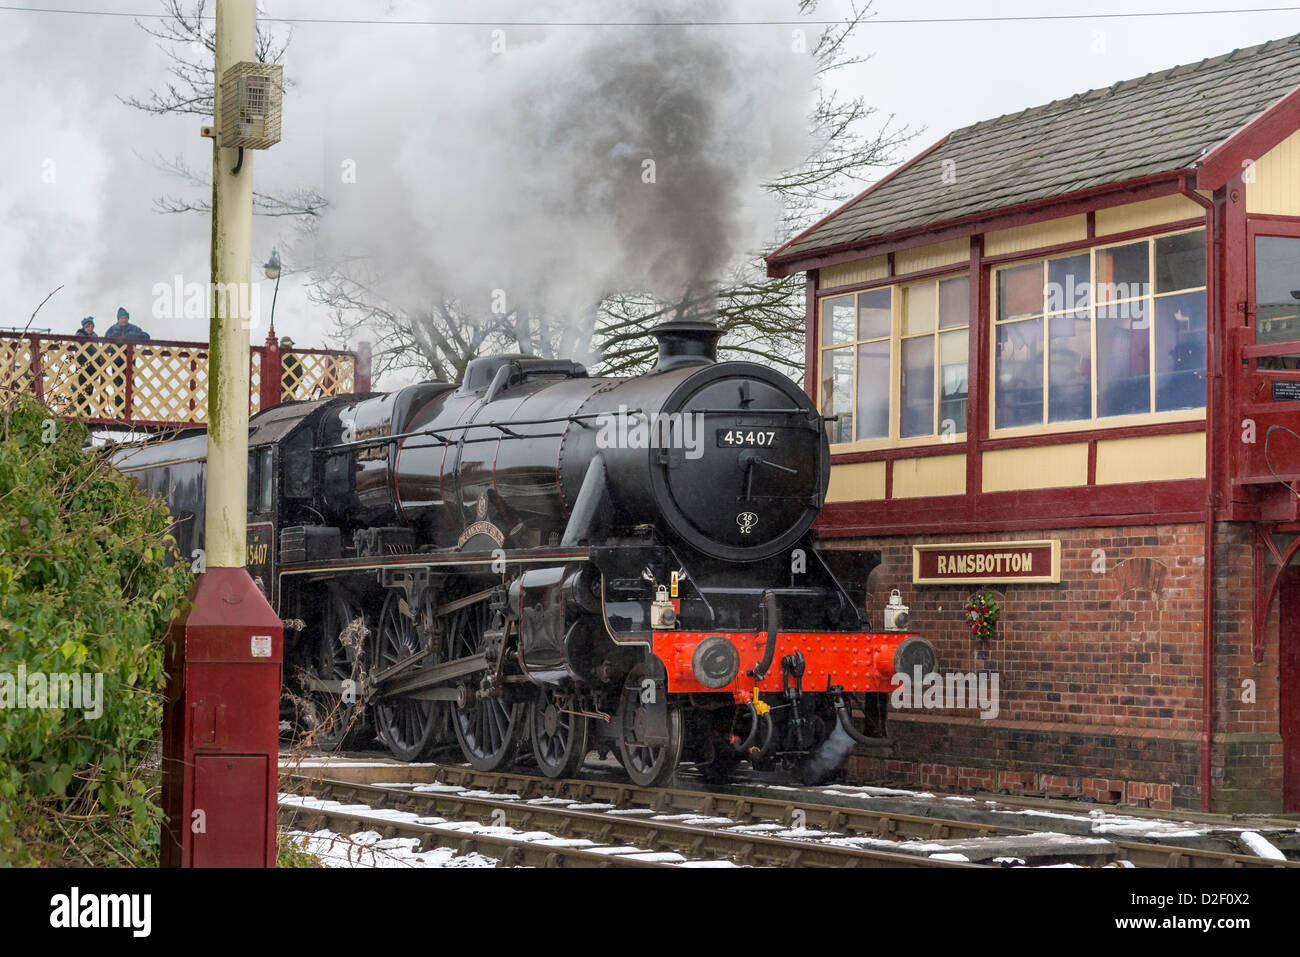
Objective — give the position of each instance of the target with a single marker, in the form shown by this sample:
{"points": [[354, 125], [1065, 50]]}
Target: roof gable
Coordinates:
{"points": [[1158, 123]]}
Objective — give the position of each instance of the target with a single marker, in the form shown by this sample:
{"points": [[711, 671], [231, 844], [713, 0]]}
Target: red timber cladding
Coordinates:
{"points": [[1099, 677]]}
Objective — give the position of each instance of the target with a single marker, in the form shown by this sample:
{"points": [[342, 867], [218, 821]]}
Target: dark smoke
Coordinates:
{"points": [[524, 171]]}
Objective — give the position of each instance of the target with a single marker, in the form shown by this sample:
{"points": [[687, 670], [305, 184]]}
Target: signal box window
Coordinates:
{"points": [[894, 361], [1115, 331]]}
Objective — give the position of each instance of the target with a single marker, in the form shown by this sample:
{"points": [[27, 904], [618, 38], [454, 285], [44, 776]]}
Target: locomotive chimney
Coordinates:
{"points": [[691, 337]]}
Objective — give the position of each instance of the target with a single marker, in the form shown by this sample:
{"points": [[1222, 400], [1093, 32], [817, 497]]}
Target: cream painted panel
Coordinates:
{"points": [[1276, 188], [1151, 212], [1048, 466], [850, 274], [932, 257], [1153, 458], [860, 482], [928, 477], [1052, 232]]}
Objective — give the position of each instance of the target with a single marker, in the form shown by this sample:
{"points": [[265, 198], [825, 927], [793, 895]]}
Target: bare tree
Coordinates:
{"points": [[438, 340], [186, 34]]}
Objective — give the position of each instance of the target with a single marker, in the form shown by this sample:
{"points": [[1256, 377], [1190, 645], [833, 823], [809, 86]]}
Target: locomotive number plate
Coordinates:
{"points": [[746, 438]]}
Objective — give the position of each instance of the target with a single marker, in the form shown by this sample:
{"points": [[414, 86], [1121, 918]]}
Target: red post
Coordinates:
{"points": [[361, 379], [272, 372], [130, 383], [221, 726], [38, 371]]}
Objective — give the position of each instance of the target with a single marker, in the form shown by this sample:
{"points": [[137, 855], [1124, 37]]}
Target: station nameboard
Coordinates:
{"points": [[987, 562]]}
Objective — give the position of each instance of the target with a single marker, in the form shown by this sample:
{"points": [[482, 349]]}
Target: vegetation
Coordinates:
{"points": [[85, 598]]}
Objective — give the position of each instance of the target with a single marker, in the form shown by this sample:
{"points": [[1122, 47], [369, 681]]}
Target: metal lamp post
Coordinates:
{"points": [[272, 270]]}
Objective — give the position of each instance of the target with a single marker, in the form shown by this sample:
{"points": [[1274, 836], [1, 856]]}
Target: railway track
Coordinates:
{"points": [[633, 835], [643, 819]]}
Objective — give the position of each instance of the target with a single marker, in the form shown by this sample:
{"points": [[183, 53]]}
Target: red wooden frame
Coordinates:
{"points": [[1248, 488], [1223, 163], [1265, 584]]}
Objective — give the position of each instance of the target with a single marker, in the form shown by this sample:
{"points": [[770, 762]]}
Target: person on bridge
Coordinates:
{"points": [[85, 364], [123, 331], [125, 328]]}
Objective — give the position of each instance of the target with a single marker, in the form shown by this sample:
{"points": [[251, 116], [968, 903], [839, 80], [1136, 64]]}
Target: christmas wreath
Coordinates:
{"points": [[983, 612]]}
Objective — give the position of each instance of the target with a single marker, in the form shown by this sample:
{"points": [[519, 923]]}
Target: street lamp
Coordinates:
{"points": [[272, 270]]}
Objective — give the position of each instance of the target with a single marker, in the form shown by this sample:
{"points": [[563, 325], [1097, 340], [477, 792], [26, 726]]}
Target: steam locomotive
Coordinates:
{"points": [[538, 561]]}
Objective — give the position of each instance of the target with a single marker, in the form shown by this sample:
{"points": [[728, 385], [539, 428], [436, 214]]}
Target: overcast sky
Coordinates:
{"points": [[77, 198]]}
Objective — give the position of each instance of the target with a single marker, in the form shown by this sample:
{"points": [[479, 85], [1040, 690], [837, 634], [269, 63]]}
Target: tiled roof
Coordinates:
{"points": [[1154, 124]]}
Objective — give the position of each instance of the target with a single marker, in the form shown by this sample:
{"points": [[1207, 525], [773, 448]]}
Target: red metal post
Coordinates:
{"points": [[361, 377], [130, 383], [272, 373], [38, 371]]}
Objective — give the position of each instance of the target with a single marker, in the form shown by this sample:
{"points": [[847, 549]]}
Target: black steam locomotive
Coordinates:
{"points": [[537, 560]]}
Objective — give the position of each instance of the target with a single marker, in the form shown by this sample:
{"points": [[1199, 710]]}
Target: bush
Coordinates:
{"points": [[85, 595]]}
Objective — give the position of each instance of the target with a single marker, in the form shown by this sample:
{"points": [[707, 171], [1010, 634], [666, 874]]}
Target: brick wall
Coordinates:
{"points": [[1099, 677]]}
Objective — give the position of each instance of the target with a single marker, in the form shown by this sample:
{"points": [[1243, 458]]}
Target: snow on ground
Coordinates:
{"points": [[325, 762], [369, 849]]}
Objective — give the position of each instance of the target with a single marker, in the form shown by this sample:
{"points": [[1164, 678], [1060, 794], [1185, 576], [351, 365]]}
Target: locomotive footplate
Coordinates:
{"points": [[864, 662]]}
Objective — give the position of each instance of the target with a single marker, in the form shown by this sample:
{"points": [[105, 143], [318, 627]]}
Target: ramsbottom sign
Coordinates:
{"points": [[977, 562]]}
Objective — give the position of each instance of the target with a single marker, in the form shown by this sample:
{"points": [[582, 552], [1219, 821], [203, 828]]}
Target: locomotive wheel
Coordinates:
{"points": [[407, 727], [331, 721], [559, 737], [647, 765], [489, 729]]}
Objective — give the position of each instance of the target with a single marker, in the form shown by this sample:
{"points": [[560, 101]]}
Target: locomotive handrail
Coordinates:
{"points": [[803, 412], [433, 433]]}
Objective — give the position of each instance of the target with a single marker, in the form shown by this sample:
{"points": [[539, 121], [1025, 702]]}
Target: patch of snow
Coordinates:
{"points": [[1260, 846], [369, 849], [709, 864], [349, 763], [659, 857], [950, 857], [696, 819]]}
